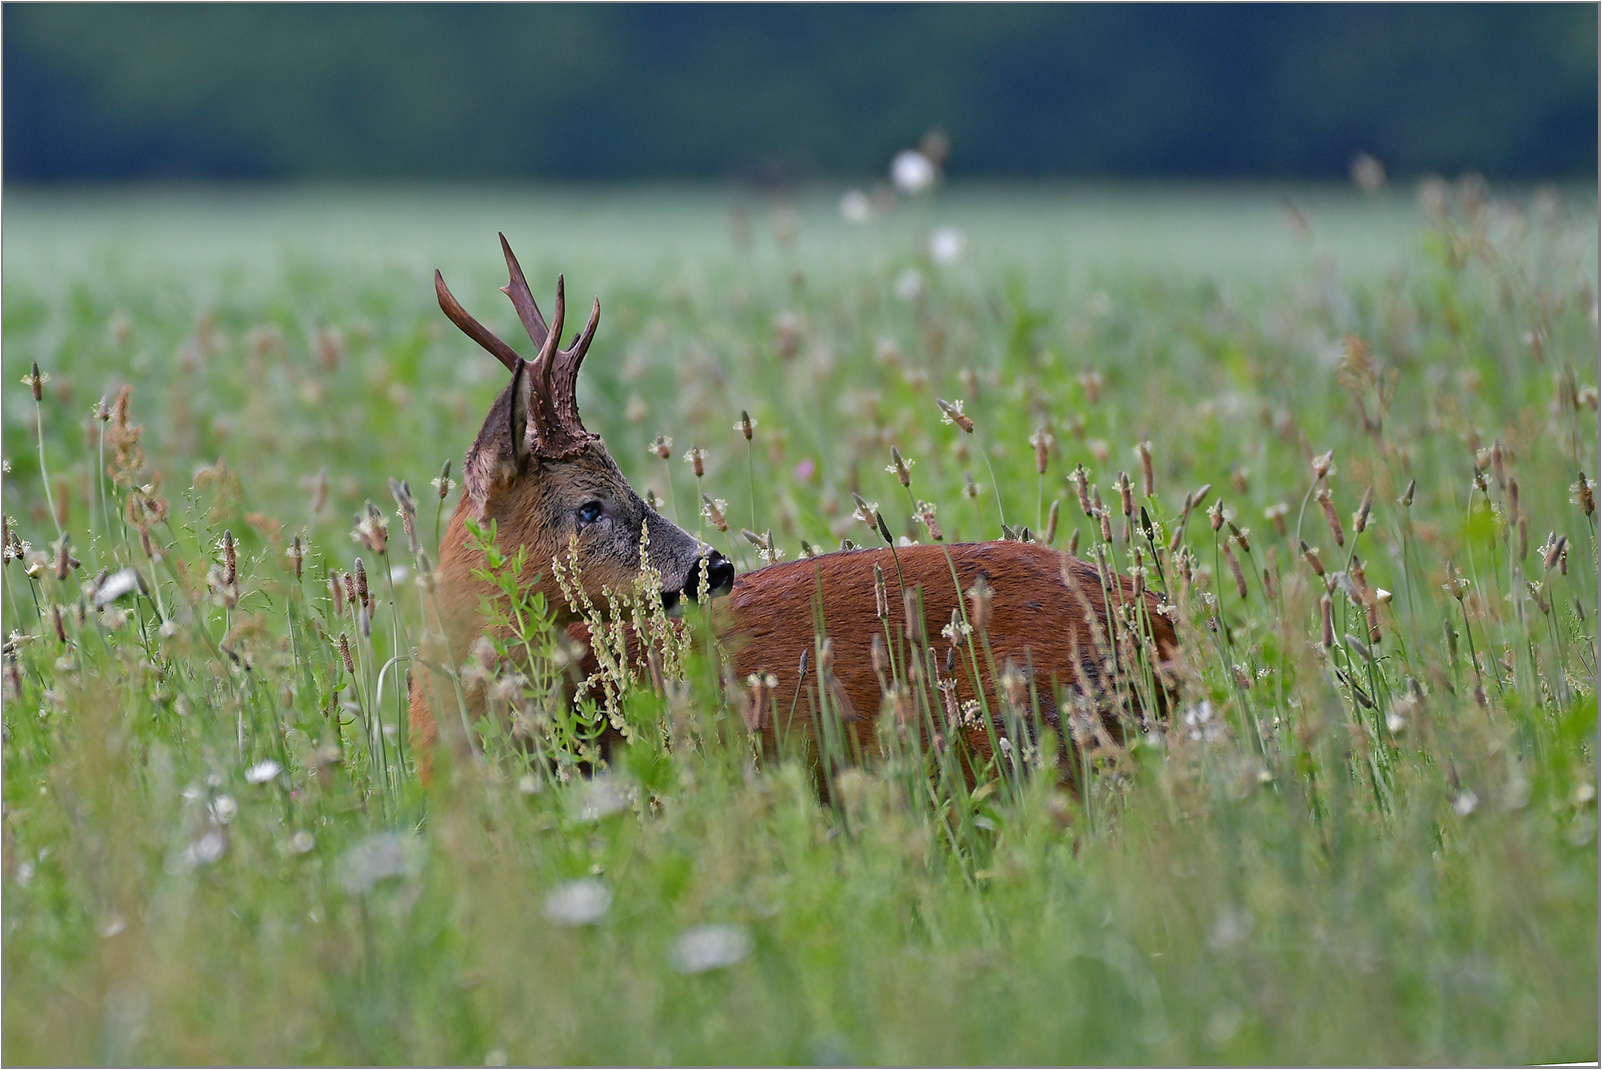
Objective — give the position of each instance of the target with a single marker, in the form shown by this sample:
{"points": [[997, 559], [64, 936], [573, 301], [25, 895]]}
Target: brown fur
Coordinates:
{"points": [[533, 509], [767, 622], [1037, 623], [547, 485]]}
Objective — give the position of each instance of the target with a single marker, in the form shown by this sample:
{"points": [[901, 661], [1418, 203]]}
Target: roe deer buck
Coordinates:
{"points": [[548, 484]]}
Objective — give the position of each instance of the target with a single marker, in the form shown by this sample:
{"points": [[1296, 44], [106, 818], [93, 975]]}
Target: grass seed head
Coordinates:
{"points": [[1014, 685], [715, 512], [401, 491], [900, 467], [951, 413], [1538, 594], [1126, 493], [980, 599], [1148, 480], [1090, 379], [1235, 570], [661, 446], [372, 529], [1582, 492], [1041, 440], [1406, 500], [759, 692], [883, 529], [1359, 577], [1552, 553], [881, 597], [1455, 584], [1360, 518], [1327, 504], [65, 562], [1081, 483], [1051, 523], [877, 655], [695, 457], [443, 482]]}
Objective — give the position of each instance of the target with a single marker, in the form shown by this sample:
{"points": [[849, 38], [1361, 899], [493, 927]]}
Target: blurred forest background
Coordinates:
{"points": [[775, 94]]}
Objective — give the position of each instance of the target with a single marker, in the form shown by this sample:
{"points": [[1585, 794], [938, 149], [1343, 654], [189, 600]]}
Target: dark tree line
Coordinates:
{"points": [[578, 92]]}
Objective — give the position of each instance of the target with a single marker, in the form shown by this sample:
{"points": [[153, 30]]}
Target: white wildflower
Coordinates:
{"points": [[946, 246], [911, 171], [909, 284], [580, 902], [710, 947], [855, 207], [263, 771], [378, 857]]}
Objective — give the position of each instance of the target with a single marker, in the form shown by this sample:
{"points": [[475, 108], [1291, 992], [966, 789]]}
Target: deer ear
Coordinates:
{"points": [[505, 442], [519, 432]]}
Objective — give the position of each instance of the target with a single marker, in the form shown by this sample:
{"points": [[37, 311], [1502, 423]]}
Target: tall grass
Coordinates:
{"points": [[1366, 830]]}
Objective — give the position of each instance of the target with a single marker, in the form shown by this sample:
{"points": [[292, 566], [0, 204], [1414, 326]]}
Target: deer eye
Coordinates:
{"points": [[590, 512]]}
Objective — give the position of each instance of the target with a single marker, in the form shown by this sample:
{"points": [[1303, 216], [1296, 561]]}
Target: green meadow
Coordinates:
{"points": [[1366, 832]]}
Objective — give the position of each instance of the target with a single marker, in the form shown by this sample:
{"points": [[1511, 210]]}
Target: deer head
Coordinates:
{"points": [[546, 482]]}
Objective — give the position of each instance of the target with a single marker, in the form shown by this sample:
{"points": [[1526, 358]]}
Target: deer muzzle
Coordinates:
{"points": [[719, 573]]}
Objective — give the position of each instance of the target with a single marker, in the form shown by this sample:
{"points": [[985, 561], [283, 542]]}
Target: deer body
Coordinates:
{"points": [[1037, 623], [550, 488]]}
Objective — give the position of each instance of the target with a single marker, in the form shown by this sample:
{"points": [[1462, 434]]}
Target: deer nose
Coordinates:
{"points": [[719, 576]]}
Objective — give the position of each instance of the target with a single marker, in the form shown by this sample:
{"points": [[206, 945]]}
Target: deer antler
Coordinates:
{"points": [[471, 327], [559, 434], [522, 299]]}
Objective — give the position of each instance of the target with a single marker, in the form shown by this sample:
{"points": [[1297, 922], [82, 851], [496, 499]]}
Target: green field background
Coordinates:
{"points": [[1375, 850]]}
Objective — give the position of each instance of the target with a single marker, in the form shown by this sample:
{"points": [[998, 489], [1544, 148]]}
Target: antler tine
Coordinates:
{"points": [[471, 327], [549, 431], [522, 297], [549, 351], [564, 386]]}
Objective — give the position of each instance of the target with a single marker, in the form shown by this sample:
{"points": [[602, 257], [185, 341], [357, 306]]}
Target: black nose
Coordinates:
{"points": [[719, 577]]}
